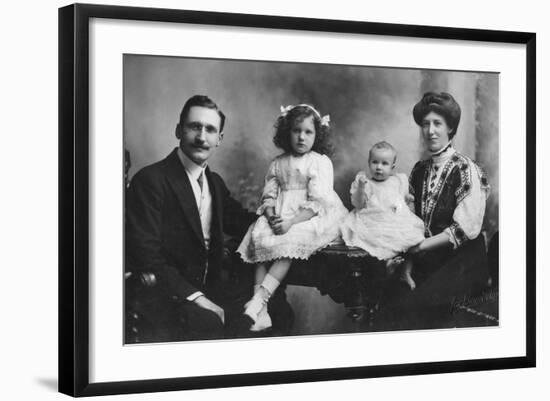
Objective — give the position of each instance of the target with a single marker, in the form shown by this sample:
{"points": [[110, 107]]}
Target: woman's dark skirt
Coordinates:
{"points": [[445, 281]]}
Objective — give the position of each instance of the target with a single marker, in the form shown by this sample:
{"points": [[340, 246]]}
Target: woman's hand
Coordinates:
{"points": [[438, 241], [417, 248]]}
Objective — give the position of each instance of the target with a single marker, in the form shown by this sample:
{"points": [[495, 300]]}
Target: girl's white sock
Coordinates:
{"points": [[270, 283]]}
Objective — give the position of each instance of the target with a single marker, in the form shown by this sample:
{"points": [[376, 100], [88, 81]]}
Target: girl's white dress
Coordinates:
{"points": [[381, 223], [294, 183]]}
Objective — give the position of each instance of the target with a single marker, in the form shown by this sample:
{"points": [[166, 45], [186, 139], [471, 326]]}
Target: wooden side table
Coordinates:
{"points": [[349, 275]]}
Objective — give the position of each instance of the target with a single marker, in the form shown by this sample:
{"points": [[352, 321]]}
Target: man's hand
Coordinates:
{"points": [[205, 303]]}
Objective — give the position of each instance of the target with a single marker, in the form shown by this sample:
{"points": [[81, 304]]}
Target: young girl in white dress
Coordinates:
{"points": [[382, 223], [299, 211]]}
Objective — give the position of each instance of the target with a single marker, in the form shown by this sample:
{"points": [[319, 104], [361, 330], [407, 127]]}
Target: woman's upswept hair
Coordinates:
{"points": [[285, 122], [441, 103]]}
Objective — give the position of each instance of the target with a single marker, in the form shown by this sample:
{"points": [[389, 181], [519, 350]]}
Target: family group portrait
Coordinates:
{"points": [[268, 199]]}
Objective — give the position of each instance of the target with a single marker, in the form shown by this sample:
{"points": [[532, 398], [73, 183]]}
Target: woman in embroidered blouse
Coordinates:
{"points": [[450, 192]]}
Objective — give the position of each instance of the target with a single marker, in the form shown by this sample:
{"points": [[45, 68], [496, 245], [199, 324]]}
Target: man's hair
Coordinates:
{"points": [[383, 145], [201, 101]]}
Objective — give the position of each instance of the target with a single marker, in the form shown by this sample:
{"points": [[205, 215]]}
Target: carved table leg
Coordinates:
{"points": [[364, 289], [357, 295]]}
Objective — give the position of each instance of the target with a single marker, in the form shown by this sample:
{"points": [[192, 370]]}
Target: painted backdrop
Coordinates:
{"points": [[366, 105]]}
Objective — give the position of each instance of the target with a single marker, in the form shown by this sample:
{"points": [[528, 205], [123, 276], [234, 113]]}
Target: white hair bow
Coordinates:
{"points": [[285, 110], [324, 119]]}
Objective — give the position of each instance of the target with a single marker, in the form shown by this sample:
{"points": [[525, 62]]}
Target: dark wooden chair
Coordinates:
{"points": [[492, 255], [348, 275]]}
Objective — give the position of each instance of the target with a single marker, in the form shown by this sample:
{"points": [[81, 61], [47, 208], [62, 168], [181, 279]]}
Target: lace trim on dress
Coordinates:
{"points": [[290, 251]]}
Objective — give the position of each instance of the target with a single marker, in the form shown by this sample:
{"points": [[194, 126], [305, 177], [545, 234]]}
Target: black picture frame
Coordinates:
{"points": [[74, 197]]}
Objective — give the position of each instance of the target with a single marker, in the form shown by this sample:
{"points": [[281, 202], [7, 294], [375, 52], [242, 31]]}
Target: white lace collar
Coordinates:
{"points": [[443, 155]]}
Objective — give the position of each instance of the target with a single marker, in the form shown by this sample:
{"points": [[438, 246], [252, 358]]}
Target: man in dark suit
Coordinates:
{"points": [[177, 212]]}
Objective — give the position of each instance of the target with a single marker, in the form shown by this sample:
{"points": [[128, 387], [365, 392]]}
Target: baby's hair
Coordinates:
{"points": [[383, 145], [285, 122]]}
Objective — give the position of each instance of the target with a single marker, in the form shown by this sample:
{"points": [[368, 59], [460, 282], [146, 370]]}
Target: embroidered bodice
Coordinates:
{"points": [[450, 192]]}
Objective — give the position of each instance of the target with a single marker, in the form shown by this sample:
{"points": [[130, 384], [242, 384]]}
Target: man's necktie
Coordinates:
{"points": [[200, 180]]}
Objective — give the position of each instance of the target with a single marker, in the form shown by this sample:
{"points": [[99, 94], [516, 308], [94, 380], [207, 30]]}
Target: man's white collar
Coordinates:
{"points": [[192, 168]]}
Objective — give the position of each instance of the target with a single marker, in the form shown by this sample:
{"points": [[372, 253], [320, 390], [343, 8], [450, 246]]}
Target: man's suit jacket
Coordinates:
{"points": [[163, 230]]}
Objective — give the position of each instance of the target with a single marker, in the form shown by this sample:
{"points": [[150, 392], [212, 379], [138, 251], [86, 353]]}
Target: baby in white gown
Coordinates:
{"points": [[382, 223]]}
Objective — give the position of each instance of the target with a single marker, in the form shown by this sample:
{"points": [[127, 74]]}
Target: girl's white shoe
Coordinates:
{"points": [[263, 322], [253, 307], [256, 308]]}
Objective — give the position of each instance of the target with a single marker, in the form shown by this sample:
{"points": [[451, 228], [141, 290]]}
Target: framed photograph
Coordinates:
{"points": [[296, 199]]}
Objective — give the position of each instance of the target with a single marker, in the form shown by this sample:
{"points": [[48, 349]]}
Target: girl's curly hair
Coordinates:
{"points": [[284, 124]]}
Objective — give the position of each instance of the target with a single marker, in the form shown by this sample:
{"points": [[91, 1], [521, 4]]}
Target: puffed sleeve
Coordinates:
{"points": [[320, 185], [271, 189], [407, 199], [470, 209], [404, 186], [357, 190]]}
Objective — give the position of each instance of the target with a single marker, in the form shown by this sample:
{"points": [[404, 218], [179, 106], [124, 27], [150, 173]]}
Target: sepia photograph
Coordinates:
{"points": [[271, 199]]}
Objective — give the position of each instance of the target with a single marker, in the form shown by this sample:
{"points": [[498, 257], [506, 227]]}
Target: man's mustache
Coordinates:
{"points": [[201, 145]]}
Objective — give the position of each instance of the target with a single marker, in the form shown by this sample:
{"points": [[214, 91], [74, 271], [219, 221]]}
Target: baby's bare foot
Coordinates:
{"points": [[406, 277]]}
